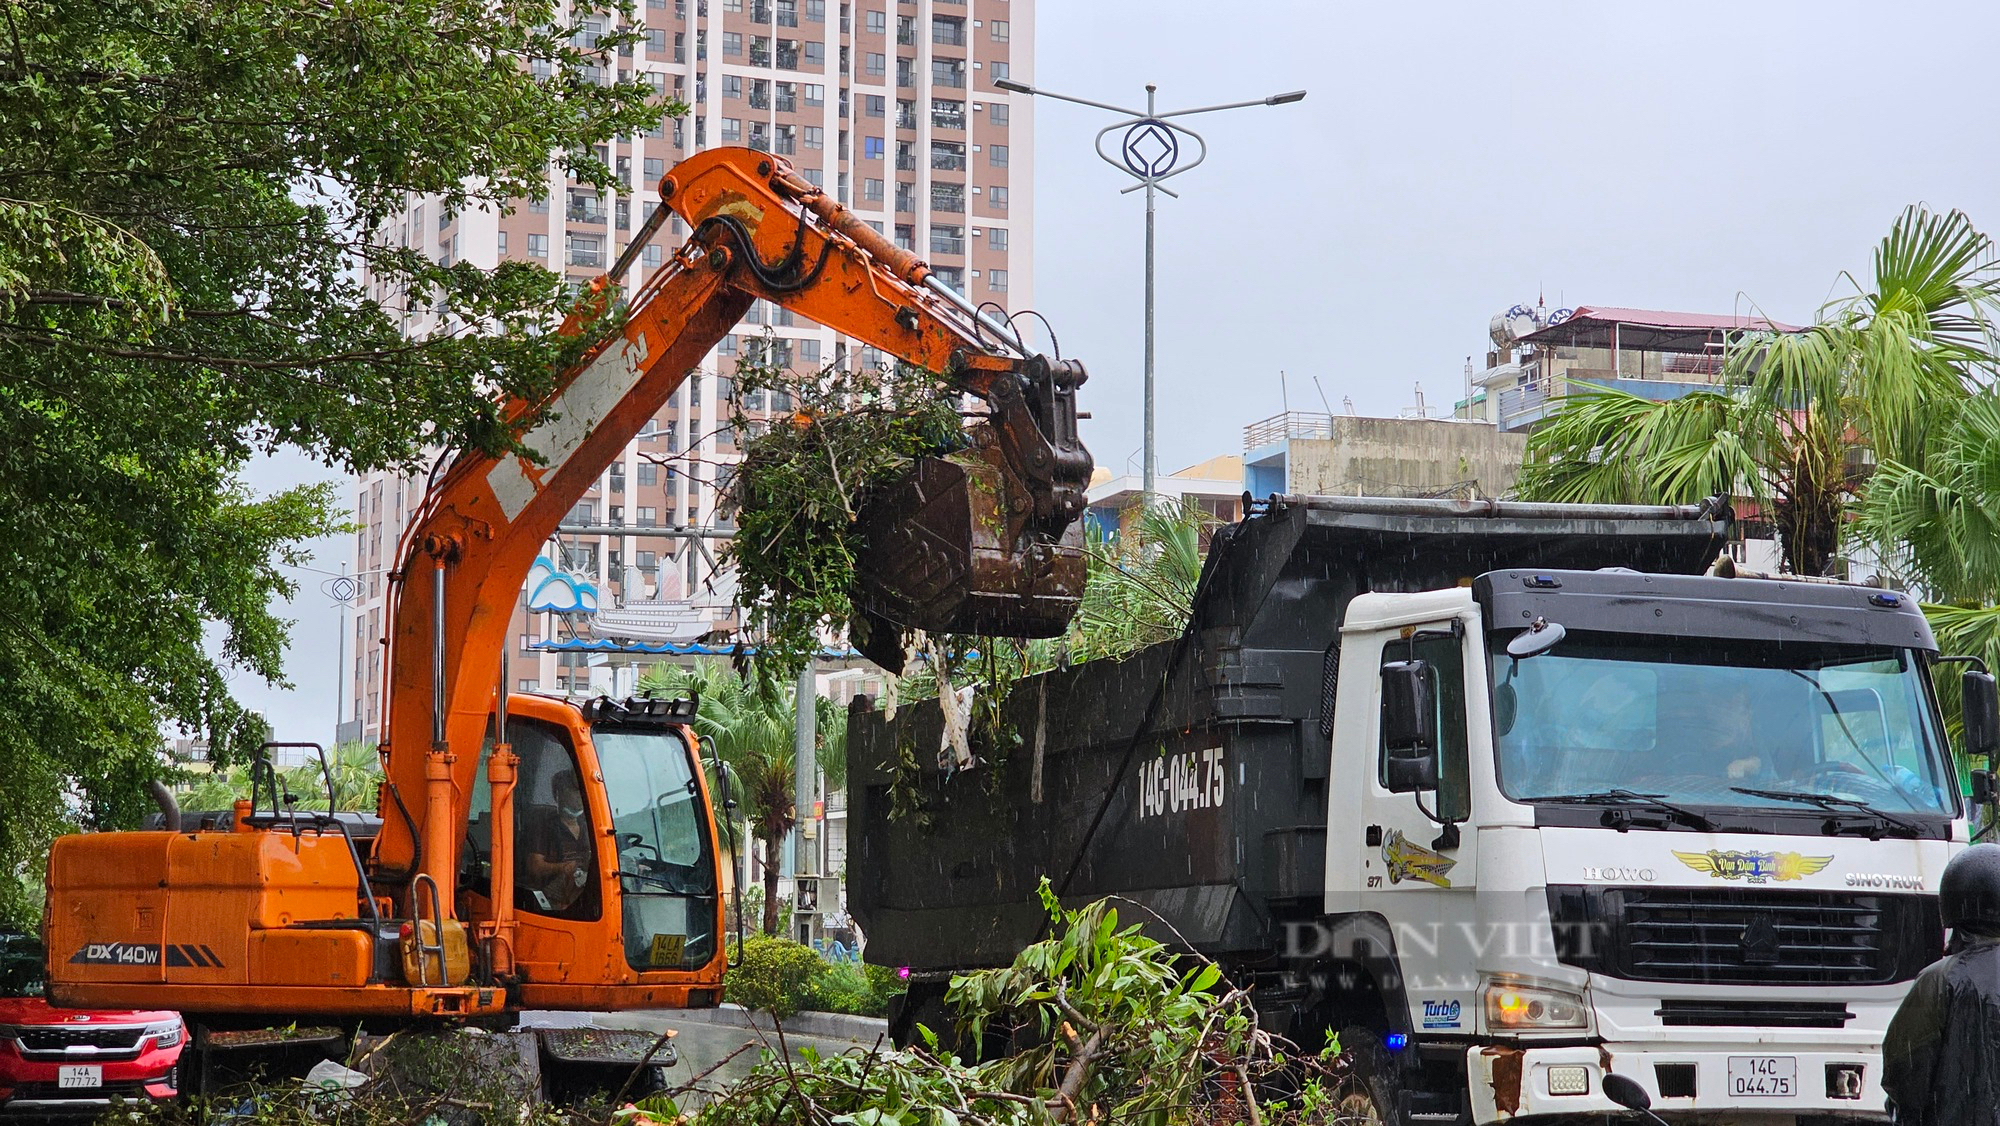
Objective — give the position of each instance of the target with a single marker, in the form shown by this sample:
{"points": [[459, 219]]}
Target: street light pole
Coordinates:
{"points": [[1149, 150]]}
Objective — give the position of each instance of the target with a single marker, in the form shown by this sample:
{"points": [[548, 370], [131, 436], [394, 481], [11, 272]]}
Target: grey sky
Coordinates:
{"points": [[1451, 160]]}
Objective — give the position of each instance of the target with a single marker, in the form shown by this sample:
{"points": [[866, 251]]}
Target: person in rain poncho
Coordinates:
{"points": [[1941, 1058]]}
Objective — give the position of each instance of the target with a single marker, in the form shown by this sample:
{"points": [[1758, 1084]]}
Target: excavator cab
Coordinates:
{"points": [[611, 822]]}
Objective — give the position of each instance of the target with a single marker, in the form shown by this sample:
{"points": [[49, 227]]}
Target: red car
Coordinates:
{"points": [[64, 1061]]}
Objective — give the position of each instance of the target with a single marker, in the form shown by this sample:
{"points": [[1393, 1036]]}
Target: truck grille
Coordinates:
{"points": [[1745, 935], [55, 1038]]}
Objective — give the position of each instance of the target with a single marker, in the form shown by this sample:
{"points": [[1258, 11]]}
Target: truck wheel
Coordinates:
{"points": [[1367, 1097]]}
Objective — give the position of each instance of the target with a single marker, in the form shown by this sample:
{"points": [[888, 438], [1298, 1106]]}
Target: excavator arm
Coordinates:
{"points": [[983, 540]]}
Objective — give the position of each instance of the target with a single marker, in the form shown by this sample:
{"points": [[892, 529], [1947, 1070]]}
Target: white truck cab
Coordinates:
{"points": [[1676, 828]]}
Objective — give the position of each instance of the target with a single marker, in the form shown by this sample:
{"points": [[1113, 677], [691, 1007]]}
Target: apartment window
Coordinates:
{"points": [[948, 72], [947, 239], [651, 256], [997, 197], [877, 22], [906, 31], [654, 169], [539, 205], [948, 156], [874, 105], [996, 71], [996, 155], [760, 136], [871, 190], [583, 513], [906, 198], [787, 140], [418, 216], [444, 219], [947, 197], [998, 112], [871, 148], [732, 43], [815, 94], [538, 246], [760, 50], [808, 354], [951, 276], [503, 244], [996, 238], [996, 280], [726, 346], [1000, 30], [816, 11], [732, 130], [649, 474], [876, 63], [906, 72], [732, 5], [732, 85], [947, 114], [788, 13], [815, 137], [815, 54], [948, 30], [656, 42], [646, 560], [648, 516]]}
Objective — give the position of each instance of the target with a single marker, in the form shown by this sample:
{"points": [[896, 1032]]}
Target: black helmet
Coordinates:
{"points": [[1969, 893]]}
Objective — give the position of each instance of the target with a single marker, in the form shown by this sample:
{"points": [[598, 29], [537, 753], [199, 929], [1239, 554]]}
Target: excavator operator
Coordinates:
{"points": [[555, 854]]}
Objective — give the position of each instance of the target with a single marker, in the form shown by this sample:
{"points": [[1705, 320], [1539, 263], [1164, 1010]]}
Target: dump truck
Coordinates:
{"points": [[1508, 797]]}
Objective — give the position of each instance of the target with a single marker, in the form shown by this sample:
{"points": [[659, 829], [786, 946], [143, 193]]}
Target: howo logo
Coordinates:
{"points": [[1620, 875]]}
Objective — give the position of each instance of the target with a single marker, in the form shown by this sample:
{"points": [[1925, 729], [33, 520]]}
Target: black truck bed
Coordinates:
{"points": [[955, 887]]}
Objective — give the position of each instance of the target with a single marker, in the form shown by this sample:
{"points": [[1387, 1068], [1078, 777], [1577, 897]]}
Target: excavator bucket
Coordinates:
{"points": [[953, 547]]}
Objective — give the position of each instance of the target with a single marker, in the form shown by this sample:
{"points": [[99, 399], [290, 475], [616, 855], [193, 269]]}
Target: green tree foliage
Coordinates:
{"points": [[186, 193], [355, 769], [1110, 1026], [1798, 416], [803, 481]]}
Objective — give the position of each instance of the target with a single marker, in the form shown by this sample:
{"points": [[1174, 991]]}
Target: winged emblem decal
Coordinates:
{"points": [[1753, 867]]}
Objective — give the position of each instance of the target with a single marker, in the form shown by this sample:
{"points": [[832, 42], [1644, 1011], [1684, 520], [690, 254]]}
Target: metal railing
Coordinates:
{"points": [[1282, 427]]}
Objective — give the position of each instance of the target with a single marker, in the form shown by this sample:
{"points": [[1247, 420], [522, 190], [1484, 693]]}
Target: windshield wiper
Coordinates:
{"points": [[1632, 797], [1834, 804]]}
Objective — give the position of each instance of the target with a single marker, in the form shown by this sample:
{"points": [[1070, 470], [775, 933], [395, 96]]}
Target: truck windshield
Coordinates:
{"points": [[1698, 721], [665, 866]]}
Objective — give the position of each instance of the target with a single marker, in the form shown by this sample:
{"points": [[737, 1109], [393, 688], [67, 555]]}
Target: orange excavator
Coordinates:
{"points": [[533, 852]]}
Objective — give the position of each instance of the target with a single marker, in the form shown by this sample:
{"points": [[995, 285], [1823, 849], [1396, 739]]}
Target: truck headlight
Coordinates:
{"points": [[1519, 1007], [165, 1034]]}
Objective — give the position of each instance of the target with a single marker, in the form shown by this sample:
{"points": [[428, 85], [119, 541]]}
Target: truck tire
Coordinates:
{"points": [[1367, 1097]]}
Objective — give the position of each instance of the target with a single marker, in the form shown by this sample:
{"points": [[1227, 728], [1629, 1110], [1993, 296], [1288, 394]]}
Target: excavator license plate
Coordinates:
{"points": [[667, 950]]}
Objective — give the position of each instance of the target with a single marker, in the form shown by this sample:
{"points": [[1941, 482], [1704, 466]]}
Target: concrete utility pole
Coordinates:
{"points": [[805, 737], [1149, 150]]}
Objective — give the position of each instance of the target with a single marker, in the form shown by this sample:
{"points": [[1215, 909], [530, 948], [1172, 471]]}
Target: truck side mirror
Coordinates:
{"points": [[1409, 727], [1980, 711]]}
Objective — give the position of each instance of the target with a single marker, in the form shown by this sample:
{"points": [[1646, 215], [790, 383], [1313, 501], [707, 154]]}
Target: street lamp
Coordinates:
{"points": [[1149, 150]]}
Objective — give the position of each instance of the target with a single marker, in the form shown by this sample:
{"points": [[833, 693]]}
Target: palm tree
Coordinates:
{"points": [[1798, 417], [750, 727], [1141, 582]]}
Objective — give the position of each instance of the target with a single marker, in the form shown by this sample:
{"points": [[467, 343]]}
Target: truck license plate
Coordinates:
{"points": [[79, 1075], [1766, 1077]]}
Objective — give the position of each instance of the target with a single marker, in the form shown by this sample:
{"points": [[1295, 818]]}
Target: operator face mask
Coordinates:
{"points": [[569, 810]]}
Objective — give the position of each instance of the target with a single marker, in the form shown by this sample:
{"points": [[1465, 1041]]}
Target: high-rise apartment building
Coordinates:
{"points": [[888, 104]]}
